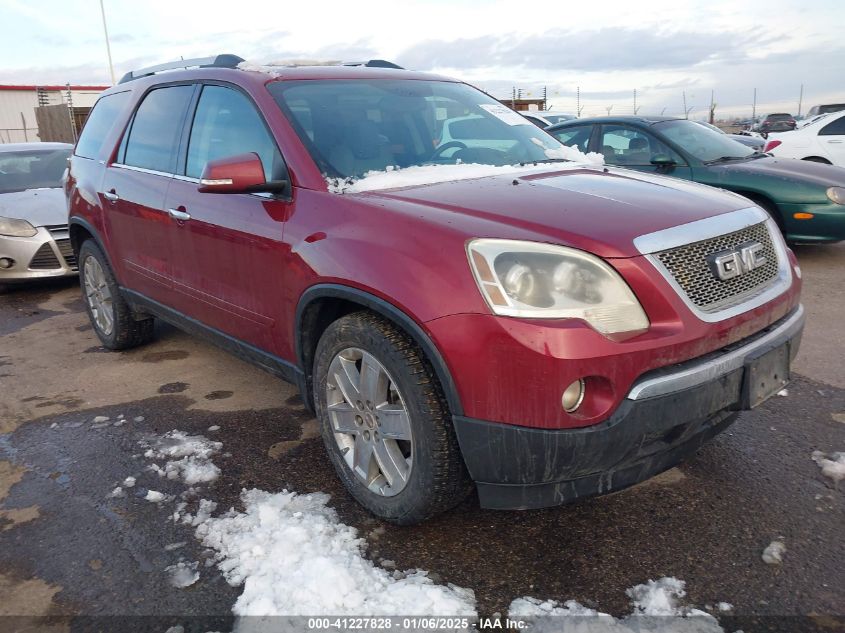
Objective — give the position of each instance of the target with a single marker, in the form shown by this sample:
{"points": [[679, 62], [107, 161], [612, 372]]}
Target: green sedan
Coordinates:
{"points": [[806, 199]]}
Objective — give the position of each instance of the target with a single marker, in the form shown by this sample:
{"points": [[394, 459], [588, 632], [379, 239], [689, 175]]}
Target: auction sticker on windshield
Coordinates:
{"points": [[505, 114]]}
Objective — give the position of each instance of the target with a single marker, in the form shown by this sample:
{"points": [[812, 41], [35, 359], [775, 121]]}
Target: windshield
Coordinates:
{"points": [[32, 169], [353, 127], [702, 142]]}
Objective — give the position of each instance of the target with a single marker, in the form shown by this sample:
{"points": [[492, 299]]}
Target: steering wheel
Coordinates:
{"points": [[437, 152]]}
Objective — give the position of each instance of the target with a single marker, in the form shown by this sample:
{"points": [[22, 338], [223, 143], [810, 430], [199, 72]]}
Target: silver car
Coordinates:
{"points": [[34, 240]]}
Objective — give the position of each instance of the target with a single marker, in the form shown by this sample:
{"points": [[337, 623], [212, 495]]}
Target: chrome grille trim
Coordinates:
{"points": [[688, 265], [717, 233]]}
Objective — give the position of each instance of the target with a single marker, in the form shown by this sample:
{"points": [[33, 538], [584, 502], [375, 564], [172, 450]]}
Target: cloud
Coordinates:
{"points": [[607, 49]]}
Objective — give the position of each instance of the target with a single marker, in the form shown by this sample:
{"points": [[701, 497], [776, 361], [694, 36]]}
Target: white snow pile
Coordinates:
{"points": [[655, 605], [417, 175], [294, 557], [276, 67], [188, 457], [773, 554], [155, 496], [832, 465]]}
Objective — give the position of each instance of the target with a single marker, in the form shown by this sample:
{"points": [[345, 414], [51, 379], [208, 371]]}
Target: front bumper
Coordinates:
{"points": [[667, 415], [827, 224], [47, 254]]}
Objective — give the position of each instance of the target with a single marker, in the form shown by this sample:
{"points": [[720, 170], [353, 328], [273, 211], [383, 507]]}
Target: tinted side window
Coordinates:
{"points": [[576, 136], [623, 145], [226, 124], [99, 124], [834, 128], [154, 136]]}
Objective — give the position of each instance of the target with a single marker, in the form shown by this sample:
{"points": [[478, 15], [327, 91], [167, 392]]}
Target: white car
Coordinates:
{"points": [[34, 241], [821, 141]]}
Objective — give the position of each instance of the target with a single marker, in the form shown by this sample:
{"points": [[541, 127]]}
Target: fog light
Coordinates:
{"points": [[6, 263], [573, 396]]}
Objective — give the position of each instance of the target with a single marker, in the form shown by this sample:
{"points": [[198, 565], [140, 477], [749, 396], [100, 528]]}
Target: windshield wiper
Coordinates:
{"points": [[545, 160], [725, 159]]}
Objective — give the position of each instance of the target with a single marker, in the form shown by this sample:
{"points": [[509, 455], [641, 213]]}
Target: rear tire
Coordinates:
{"points": [[817, 159], [395, 449], [111, 317]]}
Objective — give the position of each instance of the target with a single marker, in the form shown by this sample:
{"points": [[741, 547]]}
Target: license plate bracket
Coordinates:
{"points": [[765, 375]]}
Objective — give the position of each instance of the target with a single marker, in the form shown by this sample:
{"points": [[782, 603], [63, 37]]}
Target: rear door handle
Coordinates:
{"points": [[835, 141], [111, 196], [176, 214]]}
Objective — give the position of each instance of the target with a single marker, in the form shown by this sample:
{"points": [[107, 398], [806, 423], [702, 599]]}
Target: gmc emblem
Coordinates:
{"points": [[736, 261]]}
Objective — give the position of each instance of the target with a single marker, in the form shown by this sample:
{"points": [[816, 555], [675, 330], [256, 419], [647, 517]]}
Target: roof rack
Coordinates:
{"points": [[220, 61], [375, 63]]}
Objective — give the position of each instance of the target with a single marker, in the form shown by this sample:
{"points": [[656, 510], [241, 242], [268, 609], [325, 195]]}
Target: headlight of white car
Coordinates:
{"points": [[13, 227], [836, 194], [543, 281]]}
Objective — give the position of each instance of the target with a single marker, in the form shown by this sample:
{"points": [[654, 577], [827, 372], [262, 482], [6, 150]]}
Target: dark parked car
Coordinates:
{"points": [[805, 199], [780, 122], [548, 329], [824, 109]]}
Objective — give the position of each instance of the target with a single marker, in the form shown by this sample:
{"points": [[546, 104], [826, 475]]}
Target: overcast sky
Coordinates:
{"points": [[607, 49]]}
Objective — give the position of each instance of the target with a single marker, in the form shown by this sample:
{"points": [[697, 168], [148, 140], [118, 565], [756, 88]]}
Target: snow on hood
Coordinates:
{"points": [[39, 207], [395, 178]]}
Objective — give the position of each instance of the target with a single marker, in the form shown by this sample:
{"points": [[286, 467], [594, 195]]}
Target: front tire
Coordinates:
{"points": [[111, 317], [385, 422]]}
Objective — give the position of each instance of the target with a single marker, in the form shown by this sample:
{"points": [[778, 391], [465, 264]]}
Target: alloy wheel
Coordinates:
{"points": [[99, 295], [370, 421]]}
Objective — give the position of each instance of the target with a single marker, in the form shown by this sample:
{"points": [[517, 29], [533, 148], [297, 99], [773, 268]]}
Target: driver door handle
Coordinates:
{"points": [[177, 214], [835, 141], [111, 196]]}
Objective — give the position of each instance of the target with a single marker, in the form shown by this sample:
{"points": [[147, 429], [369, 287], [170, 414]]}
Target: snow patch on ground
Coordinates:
{"points": [[294, 557], [773, 554], [188, 457], [655, 605], [183, 574], [394, 178], [155, 496], [832, 465]]}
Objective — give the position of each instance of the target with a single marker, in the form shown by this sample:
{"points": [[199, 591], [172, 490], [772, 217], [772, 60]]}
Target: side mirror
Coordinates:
{"points": [[663, 160], [243, 173]]}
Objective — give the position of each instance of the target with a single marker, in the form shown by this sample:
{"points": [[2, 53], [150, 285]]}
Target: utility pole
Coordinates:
{"points": [[635, 102], [545, 98], [686, 113], [609, 108], [578, 100], [712, 108], [800, 99], [108, 46], [754, 106]]}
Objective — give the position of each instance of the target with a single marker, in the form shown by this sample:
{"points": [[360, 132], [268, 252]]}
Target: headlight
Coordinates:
{"points": [[836, 194], [16, 228], [543, 281]]}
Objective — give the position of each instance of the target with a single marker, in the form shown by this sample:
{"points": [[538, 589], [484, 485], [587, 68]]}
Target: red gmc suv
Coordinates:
{"points": [[456, 301]]}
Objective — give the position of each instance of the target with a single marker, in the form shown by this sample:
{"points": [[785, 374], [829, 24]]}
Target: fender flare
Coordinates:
{"points": [[390, 312], [85, 224]]}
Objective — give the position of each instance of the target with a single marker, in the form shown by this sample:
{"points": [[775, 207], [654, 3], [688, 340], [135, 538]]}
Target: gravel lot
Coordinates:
{"points": [[67, 549]]}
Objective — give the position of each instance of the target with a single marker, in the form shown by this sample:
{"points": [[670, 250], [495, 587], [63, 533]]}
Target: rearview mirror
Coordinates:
{"points": [[662, 160], [243, 173]]}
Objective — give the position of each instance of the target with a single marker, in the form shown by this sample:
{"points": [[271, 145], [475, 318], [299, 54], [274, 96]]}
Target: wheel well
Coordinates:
{"points": [[78, 234], [817, 159], [767, 203], [332, 302], [315, 318]]}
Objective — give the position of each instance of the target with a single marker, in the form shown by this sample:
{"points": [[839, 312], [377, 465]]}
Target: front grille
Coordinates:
{"points": [[689, 267], [44, 259], [67, 252]]}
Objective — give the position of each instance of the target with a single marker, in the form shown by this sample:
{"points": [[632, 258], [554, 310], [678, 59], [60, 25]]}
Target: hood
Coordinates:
{"points": [[802, 172], [39, 207], [600, 210]]}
